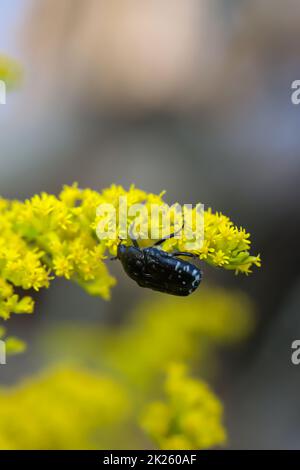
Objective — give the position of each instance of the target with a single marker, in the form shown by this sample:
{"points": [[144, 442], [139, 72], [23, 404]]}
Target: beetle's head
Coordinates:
{"points": [[121, 251], [128, 252]]}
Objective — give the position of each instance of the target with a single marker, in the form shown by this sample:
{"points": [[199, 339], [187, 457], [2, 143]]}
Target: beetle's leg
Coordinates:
{"points": [[159, 242], [135, 243], [183, 253]]}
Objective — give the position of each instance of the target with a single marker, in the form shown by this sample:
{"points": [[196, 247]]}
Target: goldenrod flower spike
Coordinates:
{"points": [[48, 236]]}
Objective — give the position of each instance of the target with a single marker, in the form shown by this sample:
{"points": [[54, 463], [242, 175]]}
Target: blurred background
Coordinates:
{"points": [[193, 97]]}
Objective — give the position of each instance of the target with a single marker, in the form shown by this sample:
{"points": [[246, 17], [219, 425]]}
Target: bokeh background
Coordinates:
{"points": [[192, 97]]}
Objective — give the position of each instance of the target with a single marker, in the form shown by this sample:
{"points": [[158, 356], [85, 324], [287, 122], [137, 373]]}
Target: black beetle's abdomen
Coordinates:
{"points": [[155, 269], [170, 274]]}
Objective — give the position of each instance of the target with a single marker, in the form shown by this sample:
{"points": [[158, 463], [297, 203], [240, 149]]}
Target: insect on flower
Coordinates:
{"points": [[158, 270]]}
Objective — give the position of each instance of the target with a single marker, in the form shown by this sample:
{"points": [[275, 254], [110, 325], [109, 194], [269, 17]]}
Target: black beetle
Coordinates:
{"points": [[158, 270]]}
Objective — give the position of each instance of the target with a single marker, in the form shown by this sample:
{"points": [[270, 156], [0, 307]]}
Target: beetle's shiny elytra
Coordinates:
{"points": [[158, 270]]}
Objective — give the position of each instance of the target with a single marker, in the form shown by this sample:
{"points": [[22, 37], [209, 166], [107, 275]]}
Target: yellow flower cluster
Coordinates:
{"points": [[62, 409], [224, 245], [48, 235], [189, 418]]}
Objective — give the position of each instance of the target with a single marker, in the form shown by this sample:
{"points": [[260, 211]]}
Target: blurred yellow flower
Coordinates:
{"points": [[62, 409], [162, 330], [159, 330], [12, 345], [10, 71], [190, 417], [166, 328]]}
